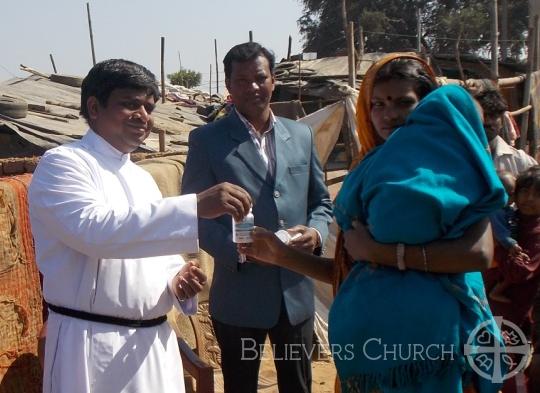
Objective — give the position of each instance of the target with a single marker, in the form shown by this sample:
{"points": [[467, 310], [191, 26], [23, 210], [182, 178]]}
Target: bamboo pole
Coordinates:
{"points": [[163, 69], [536, 40], [53, 65], [418, 31], [504, 29], [217, 68], [300, 78], [91, 34], [527, 88], [289, 48], [161, 132], [344, 16], [520, 111], [503, 82], [534, 143], [161, 135], [361, 48], [350, 55], [494, 41]]}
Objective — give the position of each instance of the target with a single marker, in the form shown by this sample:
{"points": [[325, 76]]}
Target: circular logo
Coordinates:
{"points": [[492, 359]]}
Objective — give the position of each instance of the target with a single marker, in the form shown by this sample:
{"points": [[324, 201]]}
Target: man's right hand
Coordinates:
{"points": [[224, 198]]}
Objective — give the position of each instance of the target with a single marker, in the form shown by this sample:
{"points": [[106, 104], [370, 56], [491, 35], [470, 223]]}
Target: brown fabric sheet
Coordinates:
{"points": [[20, 292]]}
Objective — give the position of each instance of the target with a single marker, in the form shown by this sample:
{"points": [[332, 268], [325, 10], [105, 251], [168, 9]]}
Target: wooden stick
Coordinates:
{"points": [[50, 117], [64, 104], [53, 65], [217, 68], [534, 140], [289, 48], [520, 111], [300, 78], [527, 88], [161, 134], [361, 41], [163, 70], [35, 72], [418, 31], [350, 54], [91, 34], [504, 29], [503, 82], [494, 41]]}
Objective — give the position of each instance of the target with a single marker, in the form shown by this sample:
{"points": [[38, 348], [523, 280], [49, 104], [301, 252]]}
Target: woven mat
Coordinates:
{"points": [[20, 293]]}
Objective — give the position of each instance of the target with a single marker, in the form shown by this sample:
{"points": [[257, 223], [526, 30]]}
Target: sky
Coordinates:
{"points": [[30, 30]]}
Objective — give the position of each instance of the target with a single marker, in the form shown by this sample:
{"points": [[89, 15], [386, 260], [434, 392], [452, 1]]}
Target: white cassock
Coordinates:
{"points": [[108, 243]]}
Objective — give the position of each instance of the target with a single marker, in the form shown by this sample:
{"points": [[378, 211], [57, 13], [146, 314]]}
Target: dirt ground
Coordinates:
{"points": [[324, 374]]}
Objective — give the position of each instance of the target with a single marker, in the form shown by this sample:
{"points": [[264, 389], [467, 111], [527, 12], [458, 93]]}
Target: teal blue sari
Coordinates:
{"points": [[405, 330]]}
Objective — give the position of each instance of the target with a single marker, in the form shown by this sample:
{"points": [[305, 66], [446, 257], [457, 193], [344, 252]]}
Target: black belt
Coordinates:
{"points": [[134, 323]]}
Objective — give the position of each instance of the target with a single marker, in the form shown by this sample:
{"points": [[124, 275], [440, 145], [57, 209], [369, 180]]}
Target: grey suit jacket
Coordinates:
{"points": [[250, 295]]}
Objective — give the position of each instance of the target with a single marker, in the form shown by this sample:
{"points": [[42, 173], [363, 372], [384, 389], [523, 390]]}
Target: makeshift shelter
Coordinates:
{"points": [[53, 119]]}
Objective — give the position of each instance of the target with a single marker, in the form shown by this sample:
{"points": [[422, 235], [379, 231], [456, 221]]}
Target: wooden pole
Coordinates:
{"points": [[289, 48], [161, 133], [504, 29], [534, 145], [536, 40], [163, 69], [91, 34], [527, 88], [250, 36], [161, 136], [300, 78], [210, 84], [344, 17], [217, 68], [418, 31], [53, 65], [361, 48], [350, 54], [494, 41]]}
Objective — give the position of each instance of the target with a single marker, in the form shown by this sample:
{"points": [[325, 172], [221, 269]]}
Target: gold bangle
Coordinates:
{"points": [[424, 254]]}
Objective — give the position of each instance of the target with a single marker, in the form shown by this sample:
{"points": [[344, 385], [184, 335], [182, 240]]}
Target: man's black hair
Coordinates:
{"points": [[492, 102], [112, 74], [245, 52], [529, 179]]}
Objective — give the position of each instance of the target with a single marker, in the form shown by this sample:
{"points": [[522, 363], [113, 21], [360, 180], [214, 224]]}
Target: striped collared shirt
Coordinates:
{"points": [[264, 142]]}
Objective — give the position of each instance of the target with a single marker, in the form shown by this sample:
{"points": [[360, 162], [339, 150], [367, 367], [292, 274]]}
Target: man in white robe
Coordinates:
{"points": [[107, 244]]}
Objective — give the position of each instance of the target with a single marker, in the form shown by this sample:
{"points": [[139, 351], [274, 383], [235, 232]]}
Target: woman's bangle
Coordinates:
{"points": [[400, 256], [424, 255]]}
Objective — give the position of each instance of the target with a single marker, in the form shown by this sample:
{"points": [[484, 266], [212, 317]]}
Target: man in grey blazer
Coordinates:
{"points": [[275, 161]]}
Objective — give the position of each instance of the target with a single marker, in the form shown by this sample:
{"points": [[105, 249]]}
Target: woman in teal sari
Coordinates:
{"points": [[401, 325]]}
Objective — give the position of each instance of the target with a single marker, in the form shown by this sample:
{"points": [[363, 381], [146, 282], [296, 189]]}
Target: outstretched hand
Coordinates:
{"points": [[307, 239], [189, 281], [519, 256], [266, 247], [224, 198]]}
